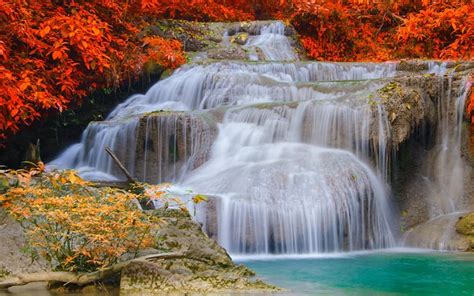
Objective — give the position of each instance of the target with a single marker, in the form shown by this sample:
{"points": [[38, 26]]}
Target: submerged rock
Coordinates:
{"points": [[206, 268]]}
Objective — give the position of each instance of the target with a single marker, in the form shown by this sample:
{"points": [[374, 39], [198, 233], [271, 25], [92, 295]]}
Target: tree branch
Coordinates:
{"points": [[79, 279], [120, 165]]}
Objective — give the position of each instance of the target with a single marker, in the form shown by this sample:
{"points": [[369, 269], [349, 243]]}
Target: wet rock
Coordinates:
{"points": [[207, 267], [438, 233], [240, 38], [169, 143], [227, 53], [408, 104], [422, 65], [210, 216], [412, 65], [465, 227]]}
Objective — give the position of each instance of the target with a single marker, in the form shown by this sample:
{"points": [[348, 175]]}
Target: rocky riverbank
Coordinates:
{"points": [[162, 251], [205, 268]]}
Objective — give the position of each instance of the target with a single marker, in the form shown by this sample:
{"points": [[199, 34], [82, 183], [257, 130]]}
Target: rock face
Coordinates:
{"points": [[406, 108], [170, 143], [431, 183], [439, 233], [13, 240], [207, 267]]}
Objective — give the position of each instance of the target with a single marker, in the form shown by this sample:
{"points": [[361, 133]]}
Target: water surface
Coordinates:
{"points": [[378, 273]]}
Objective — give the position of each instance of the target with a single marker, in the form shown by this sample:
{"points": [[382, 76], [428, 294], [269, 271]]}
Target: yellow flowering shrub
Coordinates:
{"points": [[74, 225]]}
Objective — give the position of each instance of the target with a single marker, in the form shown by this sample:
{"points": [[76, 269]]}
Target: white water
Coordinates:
{"points": [[445, 165], [284, 148], [272, 43], [444, 168]]}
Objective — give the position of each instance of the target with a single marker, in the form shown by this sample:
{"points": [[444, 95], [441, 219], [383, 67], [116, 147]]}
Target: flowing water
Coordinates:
{"points": [[293, 154]]}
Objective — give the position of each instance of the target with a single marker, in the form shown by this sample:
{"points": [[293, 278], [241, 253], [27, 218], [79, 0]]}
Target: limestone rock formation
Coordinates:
{"points": [[207, 267]]}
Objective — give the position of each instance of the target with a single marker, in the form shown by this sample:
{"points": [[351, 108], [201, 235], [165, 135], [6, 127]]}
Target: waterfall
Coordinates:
{"points": [[294, 154], [273, 44], [279, 196], [445, 169]]}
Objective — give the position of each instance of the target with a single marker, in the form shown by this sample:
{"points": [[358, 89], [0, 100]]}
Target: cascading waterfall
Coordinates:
{"points": [[284, 149], [207, 86], [446, 165], [282, 196], [273, 44], [157, 147]]}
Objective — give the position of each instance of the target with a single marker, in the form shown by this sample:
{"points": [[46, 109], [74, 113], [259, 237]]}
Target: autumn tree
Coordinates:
{"points": [[55, 53]]}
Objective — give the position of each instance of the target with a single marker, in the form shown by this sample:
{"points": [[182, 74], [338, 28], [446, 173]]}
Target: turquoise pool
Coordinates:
{"points": [[379, 273]]}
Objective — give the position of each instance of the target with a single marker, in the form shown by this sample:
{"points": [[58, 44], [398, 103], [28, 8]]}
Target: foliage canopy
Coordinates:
{"points": [[54, 53]]}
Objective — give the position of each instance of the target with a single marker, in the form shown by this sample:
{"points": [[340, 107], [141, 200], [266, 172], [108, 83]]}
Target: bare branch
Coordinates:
{"points": [[120, 165], [79, 279]]}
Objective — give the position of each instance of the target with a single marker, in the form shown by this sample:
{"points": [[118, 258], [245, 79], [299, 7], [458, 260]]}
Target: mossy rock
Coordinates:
{"points": [[3, 273], [465, 226], [240, 38], [206, 268]]}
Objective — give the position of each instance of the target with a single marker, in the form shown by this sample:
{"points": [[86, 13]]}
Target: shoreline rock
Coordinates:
{"points": [[207, 267]]}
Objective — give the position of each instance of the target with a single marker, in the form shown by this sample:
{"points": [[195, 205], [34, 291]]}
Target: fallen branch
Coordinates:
{"points": [[130, 179], [79, 279]]}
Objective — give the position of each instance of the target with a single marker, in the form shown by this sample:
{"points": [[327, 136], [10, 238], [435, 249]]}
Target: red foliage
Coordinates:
{"points": [[357, 30], [470, 100], [439, 31], [53, 53]]}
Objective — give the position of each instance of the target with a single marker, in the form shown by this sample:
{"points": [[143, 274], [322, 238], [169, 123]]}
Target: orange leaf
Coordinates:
{"points": [[95, 31], [43, 32], [57, 54]]}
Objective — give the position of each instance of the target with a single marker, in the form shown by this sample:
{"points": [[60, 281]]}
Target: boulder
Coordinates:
{"points": [[465, 227], [206, 268]]}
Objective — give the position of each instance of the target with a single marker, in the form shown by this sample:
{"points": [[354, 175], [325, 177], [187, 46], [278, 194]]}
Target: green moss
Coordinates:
{"points": [[465, 226], [390, 88], [3, 273], [161, 112]]}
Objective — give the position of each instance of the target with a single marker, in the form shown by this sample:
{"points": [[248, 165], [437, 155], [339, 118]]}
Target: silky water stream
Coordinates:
{"points": [[295, 158]]}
